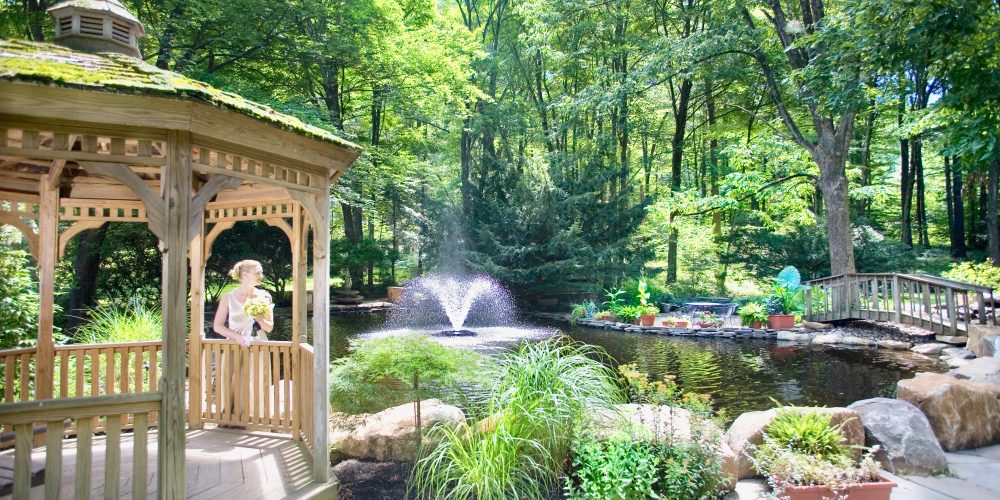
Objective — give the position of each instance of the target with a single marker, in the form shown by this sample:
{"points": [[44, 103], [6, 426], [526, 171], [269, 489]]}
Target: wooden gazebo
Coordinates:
{"points": [[88, 138]]}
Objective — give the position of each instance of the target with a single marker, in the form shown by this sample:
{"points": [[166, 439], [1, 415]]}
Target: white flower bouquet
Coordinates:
{"points": [[257, 306]]}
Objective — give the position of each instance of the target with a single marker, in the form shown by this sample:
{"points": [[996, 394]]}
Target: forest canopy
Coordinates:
{"points": [[568, 145]]}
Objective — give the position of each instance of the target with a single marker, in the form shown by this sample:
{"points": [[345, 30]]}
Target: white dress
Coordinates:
{"points": [[238, 319]]}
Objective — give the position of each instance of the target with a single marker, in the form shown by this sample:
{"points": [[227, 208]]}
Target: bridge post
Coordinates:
{"points": [[897, 299]]}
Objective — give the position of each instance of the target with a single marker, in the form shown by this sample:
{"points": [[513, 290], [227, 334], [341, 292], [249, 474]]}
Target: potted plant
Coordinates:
{"points": [[628, 314], [647, 311], [708, 319], [785, 299], [804, 457], [604, 315], [677, 321], [752, 314]]}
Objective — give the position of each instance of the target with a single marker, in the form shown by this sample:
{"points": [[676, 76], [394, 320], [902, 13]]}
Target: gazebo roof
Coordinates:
{"points": [[48, 64]]}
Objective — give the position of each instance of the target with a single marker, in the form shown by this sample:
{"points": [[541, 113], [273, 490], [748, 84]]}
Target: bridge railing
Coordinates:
{"points": [[941, 305]]}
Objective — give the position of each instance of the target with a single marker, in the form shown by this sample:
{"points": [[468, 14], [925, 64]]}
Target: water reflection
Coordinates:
{"points": [[740, 375]]}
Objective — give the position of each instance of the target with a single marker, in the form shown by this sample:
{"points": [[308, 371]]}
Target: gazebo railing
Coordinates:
{"points": [[304, 402], [87, 414], [84, 370], [247, 386]]}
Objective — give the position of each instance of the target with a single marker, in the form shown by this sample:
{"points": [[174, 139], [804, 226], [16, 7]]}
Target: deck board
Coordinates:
{"points": [[220, 463]]}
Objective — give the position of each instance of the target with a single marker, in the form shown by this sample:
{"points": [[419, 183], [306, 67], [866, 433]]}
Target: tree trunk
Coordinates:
{"points": [[906, 193], [833, 182], [918, 172], [676, 161], [36, 18], [86, 264], [956, 226], [866, 160], [465, 155], [992, 229]]}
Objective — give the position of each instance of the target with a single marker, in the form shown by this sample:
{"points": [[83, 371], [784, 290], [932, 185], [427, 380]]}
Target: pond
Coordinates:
{"points": [[740, 374]]}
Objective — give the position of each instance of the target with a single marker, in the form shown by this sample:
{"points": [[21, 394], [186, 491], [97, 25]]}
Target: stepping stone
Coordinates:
{"points": [[955, 352], [929, 349], [896, 345]]}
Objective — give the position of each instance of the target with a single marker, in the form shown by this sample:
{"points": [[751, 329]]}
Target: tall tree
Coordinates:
{"points": [[827, 97]]}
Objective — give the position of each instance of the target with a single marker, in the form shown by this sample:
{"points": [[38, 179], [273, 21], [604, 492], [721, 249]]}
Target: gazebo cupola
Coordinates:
{"points": [[97, 26]]}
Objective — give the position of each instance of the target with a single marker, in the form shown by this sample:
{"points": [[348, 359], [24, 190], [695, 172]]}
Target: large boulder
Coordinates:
{"points": [[390, 435], [906, 441], [983, 339], [749, 428], [963, 414], [980, 371], [662, 423]]}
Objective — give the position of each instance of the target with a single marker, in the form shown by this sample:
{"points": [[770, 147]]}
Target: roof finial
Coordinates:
{"points": [[97, 26]]}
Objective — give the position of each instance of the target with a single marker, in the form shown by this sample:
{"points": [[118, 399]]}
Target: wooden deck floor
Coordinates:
{"points": [[221, 463]]}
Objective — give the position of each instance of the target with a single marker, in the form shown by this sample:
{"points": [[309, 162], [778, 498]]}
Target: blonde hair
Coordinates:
{"points": [[242, 267]]}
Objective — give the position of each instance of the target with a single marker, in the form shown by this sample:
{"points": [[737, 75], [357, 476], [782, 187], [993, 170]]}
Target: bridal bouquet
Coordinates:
{"points": [[257, 306]]}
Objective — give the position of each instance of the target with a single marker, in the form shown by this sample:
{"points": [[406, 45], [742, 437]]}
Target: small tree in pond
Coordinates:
{"points": [[378, 373]]}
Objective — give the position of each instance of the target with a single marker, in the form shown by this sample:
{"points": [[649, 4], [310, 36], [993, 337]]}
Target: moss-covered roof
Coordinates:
{"points": [[23, 61]]}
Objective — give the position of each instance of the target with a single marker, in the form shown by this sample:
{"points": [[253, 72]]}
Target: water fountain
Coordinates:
{"points": [[459, 310]]}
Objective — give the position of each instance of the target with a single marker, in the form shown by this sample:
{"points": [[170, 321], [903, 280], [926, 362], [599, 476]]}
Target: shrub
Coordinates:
{"points": [[114, 323], [803, 448], [982, 273], [807, 432], [18, 296], [604, 315], [578, 312], [752, 312], [386, 372], [628, 314], [541, 394]]}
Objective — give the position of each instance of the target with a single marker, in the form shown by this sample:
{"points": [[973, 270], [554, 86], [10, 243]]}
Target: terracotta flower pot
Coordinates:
{"points": [[647, 319], [780, 321], [681, 324], [860, 491], [704, 324], [756, 325]]}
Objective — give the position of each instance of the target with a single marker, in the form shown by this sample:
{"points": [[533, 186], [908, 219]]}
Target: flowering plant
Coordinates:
{"points": [[257, 306]]}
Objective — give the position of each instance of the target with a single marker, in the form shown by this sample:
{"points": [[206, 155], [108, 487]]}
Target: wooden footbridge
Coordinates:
{"points": [[944, 306]]}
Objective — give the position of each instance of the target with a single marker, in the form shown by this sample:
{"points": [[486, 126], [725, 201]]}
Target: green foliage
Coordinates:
{"points": [[752, 312], [541, 394], [641, 389], [786, 293], [578, 312], [113, 323], [130, 267], [386, 372], [803, 448], [629, 314], [18, 295], [615, 298], [981, 273], [807, 432]]}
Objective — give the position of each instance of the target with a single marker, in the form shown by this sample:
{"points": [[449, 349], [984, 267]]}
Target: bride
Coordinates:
{"points": [[231, 318]]}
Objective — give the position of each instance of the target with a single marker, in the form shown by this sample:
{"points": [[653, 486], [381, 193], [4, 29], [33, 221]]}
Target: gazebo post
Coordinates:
{"points": [[176, 183], [48, 245], [321, 333], [197, 262], [299, 257]]}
